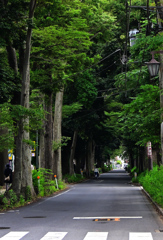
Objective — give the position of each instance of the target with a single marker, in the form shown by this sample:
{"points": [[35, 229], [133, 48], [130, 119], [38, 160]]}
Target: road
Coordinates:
{"points": [[108, 208]]}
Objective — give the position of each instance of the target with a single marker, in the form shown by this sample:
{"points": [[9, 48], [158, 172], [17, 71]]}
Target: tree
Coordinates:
{"points": [[23, 176]]}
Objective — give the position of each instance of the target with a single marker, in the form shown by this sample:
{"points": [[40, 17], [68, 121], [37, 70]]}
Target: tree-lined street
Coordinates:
{"points": [[77, 99], [108, 208]]}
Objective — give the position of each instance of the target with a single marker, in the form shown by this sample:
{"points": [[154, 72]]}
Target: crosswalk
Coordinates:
{"points": [[89, 236]]}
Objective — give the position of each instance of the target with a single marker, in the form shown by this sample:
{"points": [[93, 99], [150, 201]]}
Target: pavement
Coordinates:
{"points": [[159, 209], [103, 208]]}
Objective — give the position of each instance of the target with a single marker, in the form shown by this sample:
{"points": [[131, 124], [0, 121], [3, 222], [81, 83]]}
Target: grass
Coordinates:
{"points": [[152, 182]]}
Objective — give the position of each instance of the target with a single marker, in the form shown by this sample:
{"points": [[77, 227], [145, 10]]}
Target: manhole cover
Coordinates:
{"points": [[106, 220], [158, 231], [35, 217], [4, 228]]}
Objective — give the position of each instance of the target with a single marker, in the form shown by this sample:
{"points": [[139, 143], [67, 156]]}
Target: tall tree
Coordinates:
{"points": [[23, 177]]}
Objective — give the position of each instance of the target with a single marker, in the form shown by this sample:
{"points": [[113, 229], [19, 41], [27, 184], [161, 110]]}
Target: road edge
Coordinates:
{"points": [[159, 209]]}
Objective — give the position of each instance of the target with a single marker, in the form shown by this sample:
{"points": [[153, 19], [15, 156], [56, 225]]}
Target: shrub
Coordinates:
{"points": [[73, 178], [28, 195], [61, 185], [45, 185], [5, 202], [21, 200], [12, 197], [106, 168], [152, 182]]}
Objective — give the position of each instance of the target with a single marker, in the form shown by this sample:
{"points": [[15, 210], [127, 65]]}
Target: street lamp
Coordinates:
{"points": [[153, 65]]}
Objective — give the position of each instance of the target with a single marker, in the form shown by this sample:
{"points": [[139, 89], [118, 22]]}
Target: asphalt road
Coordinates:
{"points": [[108, 208]]}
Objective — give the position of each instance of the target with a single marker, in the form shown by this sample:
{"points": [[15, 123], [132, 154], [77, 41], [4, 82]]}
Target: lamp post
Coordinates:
{"points": [[154, 67]]}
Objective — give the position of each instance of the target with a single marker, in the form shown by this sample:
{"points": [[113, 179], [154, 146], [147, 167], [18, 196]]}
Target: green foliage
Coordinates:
{"points": [[21, 200], [135, 180], [13, 197], [61, 185], [10, 200], [134, 169], [119, 162], [152, 182], [6, 202], [68, 110], [106, 168], [10, 115], [73, 178], [142, 114], [28, 195], [86, 90], [45, 185], [59, 144]]}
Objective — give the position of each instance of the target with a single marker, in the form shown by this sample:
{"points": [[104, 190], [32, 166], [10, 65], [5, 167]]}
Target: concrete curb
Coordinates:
{"points": [[159, 209]]}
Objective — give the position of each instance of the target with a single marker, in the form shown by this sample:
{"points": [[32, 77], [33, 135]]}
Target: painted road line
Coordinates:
{"points": [[140, 236], [14, 236], [54, 236], [108, 217], [96, 236], [53, 197]]}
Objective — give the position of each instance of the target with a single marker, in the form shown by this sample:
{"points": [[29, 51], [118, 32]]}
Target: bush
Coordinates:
{"points": [[45, 186], [106, 168], [9, 200], [12, 197], [61, 185], [73, 178], [28, 195], [152, 182], [21, 200], [5, 202]]}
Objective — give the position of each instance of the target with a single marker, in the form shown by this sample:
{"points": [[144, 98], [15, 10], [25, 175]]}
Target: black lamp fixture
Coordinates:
{"points": [[153, 65]]}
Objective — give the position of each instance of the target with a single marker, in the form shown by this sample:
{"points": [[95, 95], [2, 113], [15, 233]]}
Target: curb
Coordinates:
{"points": [[159, 209]]}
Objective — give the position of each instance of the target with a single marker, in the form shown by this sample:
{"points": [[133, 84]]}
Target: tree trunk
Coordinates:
{"points": [[49, 135], [161, 103], [90, 156], [12, 59], [57, 135], [3, 159], [42, 148], [23, 176], [159, 3], [72, 154]]}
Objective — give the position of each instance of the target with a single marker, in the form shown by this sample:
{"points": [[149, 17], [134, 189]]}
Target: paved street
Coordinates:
{"points": [[108, 208]]}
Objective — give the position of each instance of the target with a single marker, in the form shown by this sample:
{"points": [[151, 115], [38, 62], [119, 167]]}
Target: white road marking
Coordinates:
{"points": [[141, 235], [107, 217], [96, 236], [62, 193], [54, 236], [52, 197], [14, 236], [89, 236]]}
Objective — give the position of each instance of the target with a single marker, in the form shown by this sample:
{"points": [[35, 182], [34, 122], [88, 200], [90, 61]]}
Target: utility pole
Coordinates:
{"points": [[160, 19]]}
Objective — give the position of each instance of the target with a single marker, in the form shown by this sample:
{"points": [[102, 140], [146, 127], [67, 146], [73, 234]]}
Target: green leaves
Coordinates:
{"points": [[141, 117]]}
